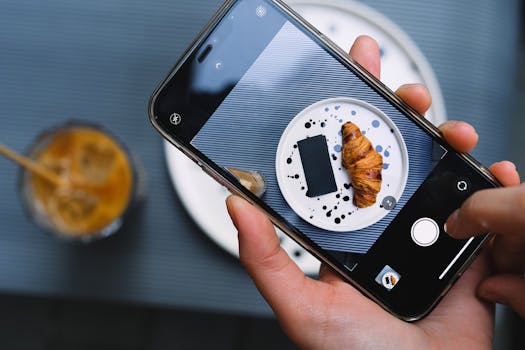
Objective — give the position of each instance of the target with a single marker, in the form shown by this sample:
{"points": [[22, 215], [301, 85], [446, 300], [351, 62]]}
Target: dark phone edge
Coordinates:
{"points": [[227, 4], [368, 78]]}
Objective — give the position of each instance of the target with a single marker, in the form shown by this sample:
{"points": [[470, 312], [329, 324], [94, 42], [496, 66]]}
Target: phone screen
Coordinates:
{"points": [[346, 168]]}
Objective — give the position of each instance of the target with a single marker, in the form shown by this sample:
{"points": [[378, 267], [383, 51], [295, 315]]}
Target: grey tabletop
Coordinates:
{"points": [[99, 61]]}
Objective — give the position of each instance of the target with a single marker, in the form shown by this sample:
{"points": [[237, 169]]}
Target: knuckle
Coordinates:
{"points": [[274, 261], [271, 262]]}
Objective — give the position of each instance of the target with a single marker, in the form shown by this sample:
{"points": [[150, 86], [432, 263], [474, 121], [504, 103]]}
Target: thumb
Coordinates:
{"points": [[277, 277]]}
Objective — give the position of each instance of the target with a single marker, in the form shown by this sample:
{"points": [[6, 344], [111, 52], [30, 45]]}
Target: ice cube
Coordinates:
{"points": [[96, 162], [73, 206]]}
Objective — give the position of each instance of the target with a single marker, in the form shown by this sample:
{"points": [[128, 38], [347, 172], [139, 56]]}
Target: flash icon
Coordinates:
{"points": [[260, 11], [175, 119]]}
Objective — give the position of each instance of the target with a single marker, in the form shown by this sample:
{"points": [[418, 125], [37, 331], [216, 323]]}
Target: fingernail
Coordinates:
{"points": [[405, 86], [237, 201], [483, 293], [233, 204], [450, 225], [451, 124], [509, 164], [467, 126], [457, 124], [491, 296]]}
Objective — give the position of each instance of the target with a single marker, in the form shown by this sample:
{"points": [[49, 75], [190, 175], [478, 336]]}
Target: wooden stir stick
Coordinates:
{"points": [[31, 165]]}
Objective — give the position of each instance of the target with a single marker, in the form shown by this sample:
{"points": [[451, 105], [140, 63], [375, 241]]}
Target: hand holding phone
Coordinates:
{"points": [[329, 313]]}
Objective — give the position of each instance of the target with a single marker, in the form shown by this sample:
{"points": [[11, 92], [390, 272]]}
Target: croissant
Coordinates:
{"points": [[364, 165]]}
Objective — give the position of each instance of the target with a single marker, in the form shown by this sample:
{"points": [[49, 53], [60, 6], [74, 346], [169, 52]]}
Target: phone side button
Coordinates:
{"points": [[215, 176], [209, 173]]}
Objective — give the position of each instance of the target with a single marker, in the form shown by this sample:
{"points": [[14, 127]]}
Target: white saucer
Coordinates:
{"points": [[402, 62], [335, 211], [204, 199]]}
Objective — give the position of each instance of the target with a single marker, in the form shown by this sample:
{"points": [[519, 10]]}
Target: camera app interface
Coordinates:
{"points": [[341, 164]]}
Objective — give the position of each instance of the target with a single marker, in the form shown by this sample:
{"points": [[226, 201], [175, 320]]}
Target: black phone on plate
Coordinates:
{"points": [[353, 174]]}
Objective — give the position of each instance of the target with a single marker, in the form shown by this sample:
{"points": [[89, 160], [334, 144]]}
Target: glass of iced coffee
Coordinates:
{"points": [[95, 186]]}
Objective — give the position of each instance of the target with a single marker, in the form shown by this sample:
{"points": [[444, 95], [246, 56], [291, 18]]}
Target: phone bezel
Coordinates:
{"points": [[239, 190]]}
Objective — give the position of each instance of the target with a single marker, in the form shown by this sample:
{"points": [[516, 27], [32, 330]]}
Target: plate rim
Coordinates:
{"points": [[397, 34], [278, 160]]}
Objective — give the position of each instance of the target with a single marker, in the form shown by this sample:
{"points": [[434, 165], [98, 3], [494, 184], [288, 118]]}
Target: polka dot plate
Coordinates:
{"points": [[335, 211]]}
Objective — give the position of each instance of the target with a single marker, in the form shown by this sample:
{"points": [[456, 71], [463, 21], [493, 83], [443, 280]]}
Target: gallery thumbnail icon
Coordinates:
{"points": [[388, 277]]}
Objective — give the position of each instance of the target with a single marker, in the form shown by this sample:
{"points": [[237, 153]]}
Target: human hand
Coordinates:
{"points": [[500, 211], [329, 313]]}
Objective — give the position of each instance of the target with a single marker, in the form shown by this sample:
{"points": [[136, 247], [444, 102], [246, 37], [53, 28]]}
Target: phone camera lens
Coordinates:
{"points": [[205, 53], [219, 66]]}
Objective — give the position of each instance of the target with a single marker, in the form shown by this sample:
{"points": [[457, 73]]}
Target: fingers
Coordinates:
{"points": [[492, 210], [496, 210], [417, 96], [366, 52], [460, 135], [505, 289], [506, 173], [276, 276]]}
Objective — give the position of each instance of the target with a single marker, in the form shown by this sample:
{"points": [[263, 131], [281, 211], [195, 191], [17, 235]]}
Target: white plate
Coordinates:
{"points": [[335, 211], [204, 199]]}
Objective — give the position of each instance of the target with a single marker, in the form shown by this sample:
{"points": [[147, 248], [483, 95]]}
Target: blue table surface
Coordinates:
{"points": [[99, 61]]}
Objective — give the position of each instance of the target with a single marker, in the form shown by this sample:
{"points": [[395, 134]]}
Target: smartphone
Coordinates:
{"points": [[261, 89]]}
